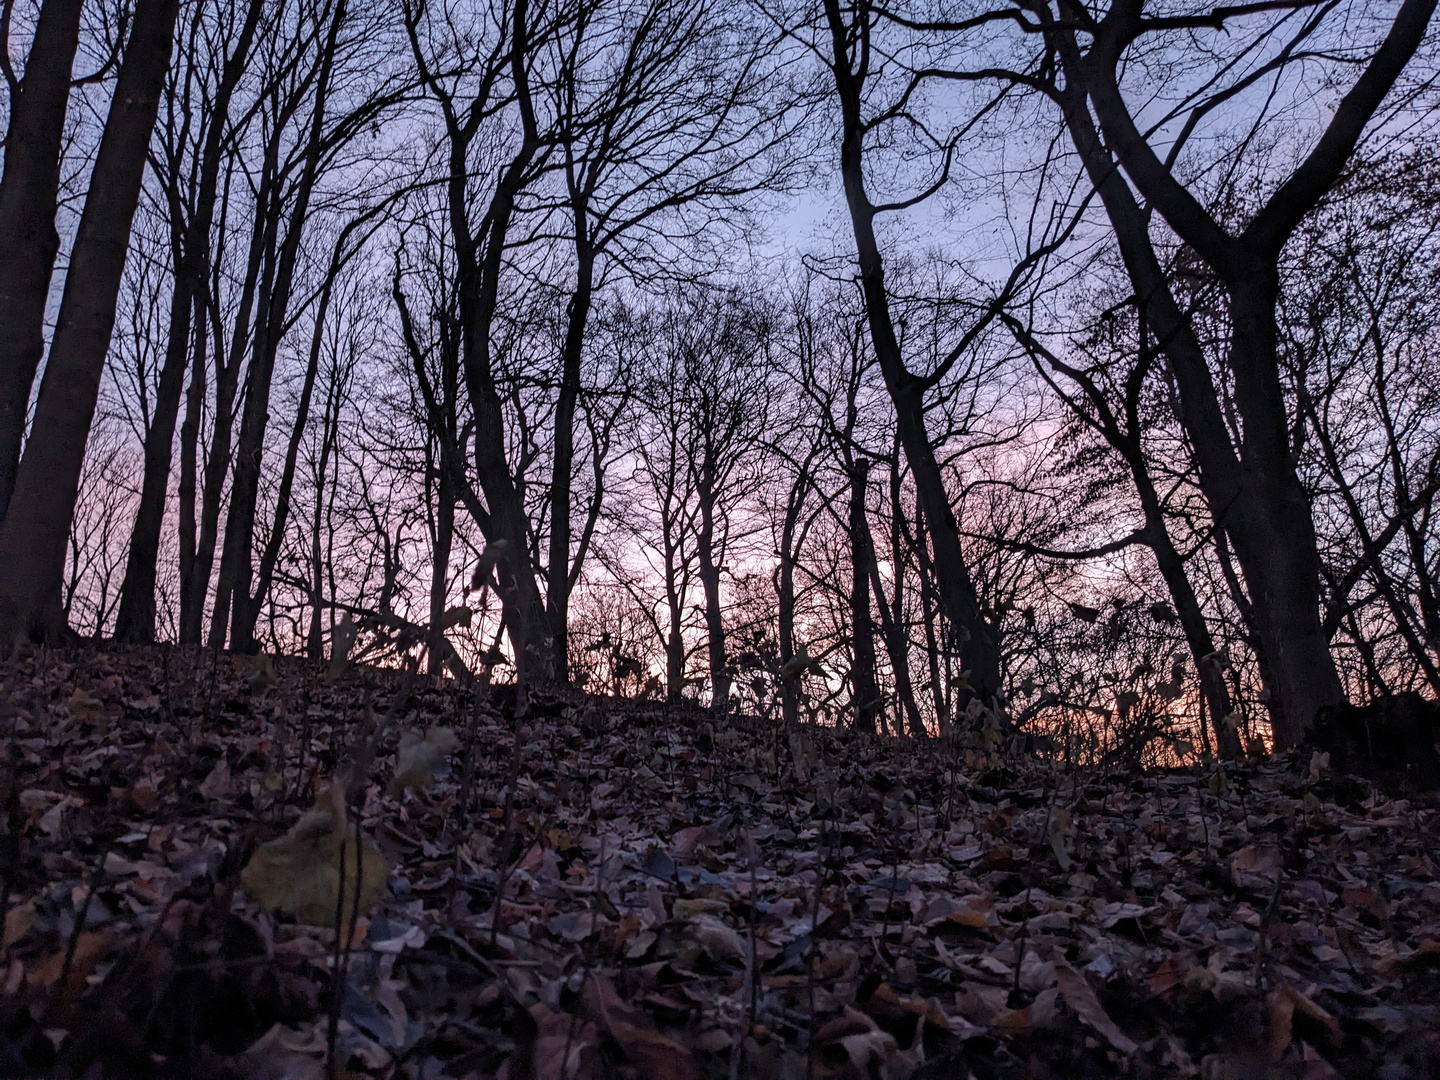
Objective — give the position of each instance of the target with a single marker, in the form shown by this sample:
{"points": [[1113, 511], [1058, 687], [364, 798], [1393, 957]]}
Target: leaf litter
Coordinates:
{"points": [[620, 889]]}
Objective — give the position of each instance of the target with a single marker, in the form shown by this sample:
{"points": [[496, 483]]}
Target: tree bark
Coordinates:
{"points": [[28, 240], [865, 691], [135, 621], [33, 535], [705, 549], [558, 575]]}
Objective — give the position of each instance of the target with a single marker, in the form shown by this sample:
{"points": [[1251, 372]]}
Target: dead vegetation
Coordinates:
{"points": [[617, 890]]}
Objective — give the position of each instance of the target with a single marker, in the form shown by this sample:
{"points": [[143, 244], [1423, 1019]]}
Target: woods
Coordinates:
{"points": [[571, 539], [1137, 438]]}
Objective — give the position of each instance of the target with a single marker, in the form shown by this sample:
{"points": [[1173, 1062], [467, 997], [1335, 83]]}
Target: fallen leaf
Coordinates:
{"points": [[300, 872], [1084, 1004], [654, 1055]]}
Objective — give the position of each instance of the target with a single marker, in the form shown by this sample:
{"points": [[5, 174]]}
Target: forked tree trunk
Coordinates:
{"points": [[1253, 490], [33, 535], [28, 240]]}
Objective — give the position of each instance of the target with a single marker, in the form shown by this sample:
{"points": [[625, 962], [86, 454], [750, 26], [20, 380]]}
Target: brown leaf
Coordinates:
{"points": [[1256, 868], [1084, 1004], [654, 1055], [1283, 1003], [18, 921], [1037, 1016], [685, 842], [89, 949], [300, 872]]}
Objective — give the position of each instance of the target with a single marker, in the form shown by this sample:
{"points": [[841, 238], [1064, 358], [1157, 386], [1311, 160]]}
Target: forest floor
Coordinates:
{"points": [[659, 916]]}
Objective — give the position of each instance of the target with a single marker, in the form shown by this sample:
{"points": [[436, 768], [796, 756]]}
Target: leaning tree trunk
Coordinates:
{"points": [[1188, 610], [33, 535], [952, 576], [28, 240]]}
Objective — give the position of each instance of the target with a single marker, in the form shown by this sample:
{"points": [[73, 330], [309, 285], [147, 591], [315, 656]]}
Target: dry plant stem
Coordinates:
{"points": [[344, 938], [754, 973], [95, 878], [1261, 957], [509, 830]]}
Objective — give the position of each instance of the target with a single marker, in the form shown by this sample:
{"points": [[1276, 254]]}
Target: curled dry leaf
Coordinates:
{"points": [[419, 756]]}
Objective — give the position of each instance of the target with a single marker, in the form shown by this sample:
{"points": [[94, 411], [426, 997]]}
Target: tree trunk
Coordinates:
{"points": [[435, 647], [28, 240], [1273, 529], [864, 690], [481, 262], [1255, 495], [1266, 516], [227, 381], [33, 535], [557, 600], [710, 581], [1187, 608], [952, 576], [271, 555], [189, 448], [315, 641], [892, 618], [785, 594], [136, 619]]}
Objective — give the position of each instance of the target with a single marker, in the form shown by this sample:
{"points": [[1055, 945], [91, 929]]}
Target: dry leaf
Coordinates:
{"points": [[1084, 1004], [300, 872], [655, 1056], [1062, 832], [18, 921], [419, 756], [1256, 867]]}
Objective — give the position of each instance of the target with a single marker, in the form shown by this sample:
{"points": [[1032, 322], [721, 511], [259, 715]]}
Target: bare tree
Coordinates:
{"points": [[1254, 492], [34, 533]]}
